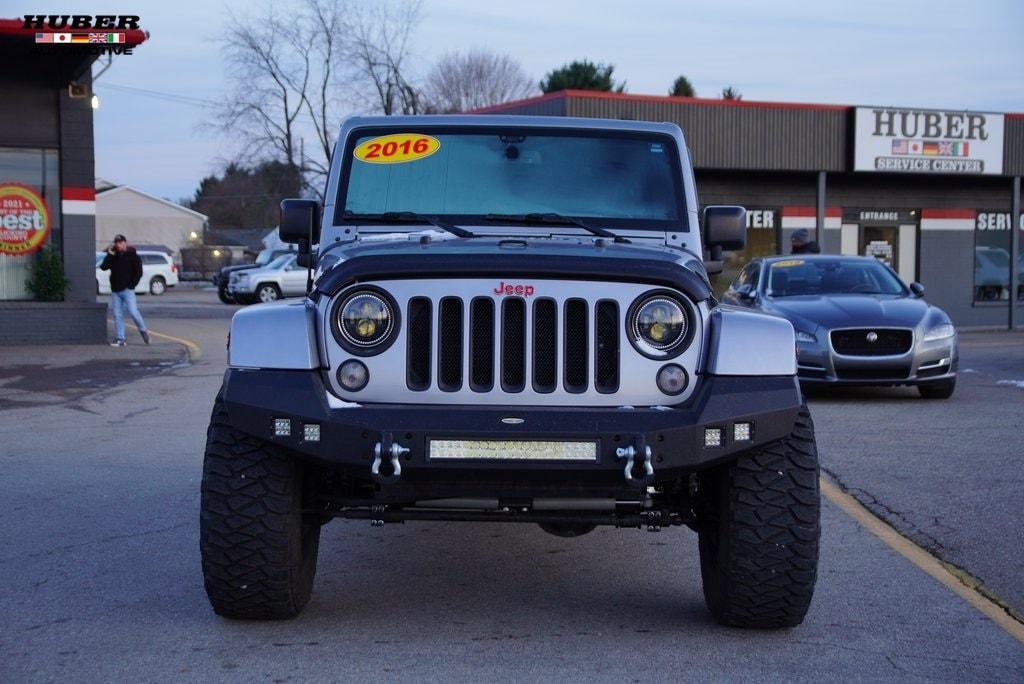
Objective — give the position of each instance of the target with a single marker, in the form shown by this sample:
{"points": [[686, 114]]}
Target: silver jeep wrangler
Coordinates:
{"points": [[511, 321]]}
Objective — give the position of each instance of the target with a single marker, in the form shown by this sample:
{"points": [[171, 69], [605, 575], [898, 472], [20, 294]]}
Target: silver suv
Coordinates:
{"points": [[511, 321]]}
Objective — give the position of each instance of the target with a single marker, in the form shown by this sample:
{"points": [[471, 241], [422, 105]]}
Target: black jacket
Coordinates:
{"points": [[125, 269], [807, 248]]}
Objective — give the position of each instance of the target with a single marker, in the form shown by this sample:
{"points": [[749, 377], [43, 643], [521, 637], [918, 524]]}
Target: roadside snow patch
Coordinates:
{"points": [[1019, 384]]}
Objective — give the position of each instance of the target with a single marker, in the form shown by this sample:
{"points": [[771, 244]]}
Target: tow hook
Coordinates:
{"points": [[391, 450], [631, 454]]}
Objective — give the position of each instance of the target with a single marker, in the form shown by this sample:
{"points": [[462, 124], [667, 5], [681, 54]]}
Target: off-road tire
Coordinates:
{"points": [[937, 390], [258, 550], [157, 286], [222, 294], [760, 531]]}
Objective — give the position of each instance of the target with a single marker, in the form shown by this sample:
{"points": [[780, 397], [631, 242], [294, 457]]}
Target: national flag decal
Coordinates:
{"points": [[105, 37]]}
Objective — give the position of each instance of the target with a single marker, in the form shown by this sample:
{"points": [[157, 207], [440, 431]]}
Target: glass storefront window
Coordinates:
{"points": [[992, 257], [37, 169]]}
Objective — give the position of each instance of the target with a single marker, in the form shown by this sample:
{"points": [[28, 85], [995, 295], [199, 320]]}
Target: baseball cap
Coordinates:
{"points": [[801, 234], [120, 238]]}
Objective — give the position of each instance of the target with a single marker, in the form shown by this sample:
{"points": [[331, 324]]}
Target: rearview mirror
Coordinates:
{"points": [[725, 227], [917, 289]]}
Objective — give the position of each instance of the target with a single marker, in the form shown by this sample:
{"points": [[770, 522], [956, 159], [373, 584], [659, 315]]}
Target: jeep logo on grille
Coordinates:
{"points": [[511, 289], [872, 337]]}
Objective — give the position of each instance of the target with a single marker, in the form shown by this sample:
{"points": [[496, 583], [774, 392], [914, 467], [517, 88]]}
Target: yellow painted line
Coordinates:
{"points": [[961, 584], [195, 352]]}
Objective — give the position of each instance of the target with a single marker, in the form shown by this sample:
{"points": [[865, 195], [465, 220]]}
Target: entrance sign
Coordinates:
{"points": [[895, 140]]}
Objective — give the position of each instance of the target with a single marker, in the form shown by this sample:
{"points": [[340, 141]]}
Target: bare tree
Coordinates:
{"points": [[300, 64], [380, 53], [461, 81]]}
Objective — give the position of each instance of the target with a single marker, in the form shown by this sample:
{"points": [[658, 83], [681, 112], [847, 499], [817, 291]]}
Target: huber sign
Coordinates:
{"points": [[928, 141], [24, 220]]}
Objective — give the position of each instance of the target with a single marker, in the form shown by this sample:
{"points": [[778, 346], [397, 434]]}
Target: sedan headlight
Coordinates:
{"points": [[802, 336], [365, 322], [658, 325], [939, 332]]}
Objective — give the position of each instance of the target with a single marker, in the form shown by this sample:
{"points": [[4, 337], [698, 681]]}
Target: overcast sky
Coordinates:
{"points": [[926, 53]]}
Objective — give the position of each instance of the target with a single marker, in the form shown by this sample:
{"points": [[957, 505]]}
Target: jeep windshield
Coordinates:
{"points": [[609, 179]]}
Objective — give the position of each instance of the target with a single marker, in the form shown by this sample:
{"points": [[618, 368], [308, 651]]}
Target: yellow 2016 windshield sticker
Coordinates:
{"points": [[788, 263], [397, 148]]}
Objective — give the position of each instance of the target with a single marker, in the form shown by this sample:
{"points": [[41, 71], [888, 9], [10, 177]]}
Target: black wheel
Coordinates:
{"points": [[937, 390], [157, 286], [258, 550], [760, 531], [267, 292], [222, 294]]}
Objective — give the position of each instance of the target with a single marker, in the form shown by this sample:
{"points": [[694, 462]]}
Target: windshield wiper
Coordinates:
{"points": [[549, 218], [407, 216]]}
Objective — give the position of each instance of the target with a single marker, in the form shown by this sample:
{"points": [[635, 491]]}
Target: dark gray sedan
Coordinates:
{"points": [[856, 322]]}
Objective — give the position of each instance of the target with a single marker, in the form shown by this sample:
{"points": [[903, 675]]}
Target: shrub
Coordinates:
{"points": [[47, 281]]}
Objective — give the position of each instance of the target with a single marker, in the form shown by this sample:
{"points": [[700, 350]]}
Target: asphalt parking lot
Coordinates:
{"points": [[100, 579]]}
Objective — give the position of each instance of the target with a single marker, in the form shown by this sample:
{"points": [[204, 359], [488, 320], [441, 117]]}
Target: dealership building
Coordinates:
{"points": [[930, 192], [47, 194]]}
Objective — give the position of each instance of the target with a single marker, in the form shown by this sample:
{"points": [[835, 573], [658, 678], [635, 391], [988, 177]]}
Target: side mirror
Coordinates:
{"points": [[300, 220], [917, 289], [725, 227], [745, 291]]}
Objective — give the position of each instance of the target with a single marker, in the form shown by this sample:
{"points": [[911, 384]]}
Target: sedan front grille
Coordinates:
{"points": [[872, 341], [568, 330]]}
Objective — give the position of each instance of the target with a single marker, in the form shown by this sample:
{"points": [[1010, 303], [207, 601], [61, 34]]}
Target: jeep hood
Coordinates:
{"points": [[581, 259]]}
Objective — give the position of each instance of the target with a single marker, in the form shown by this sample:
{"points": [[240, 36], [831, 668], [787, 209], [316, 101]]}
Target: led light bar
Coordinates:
{"points": [[506, 450], [712, 437], [311, 432], [282, 427]]}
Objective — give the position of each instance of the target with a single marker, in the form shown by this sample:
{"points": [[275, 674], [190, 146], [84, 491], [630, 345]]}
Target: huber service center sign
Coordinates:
{"points": [[928, 141]]}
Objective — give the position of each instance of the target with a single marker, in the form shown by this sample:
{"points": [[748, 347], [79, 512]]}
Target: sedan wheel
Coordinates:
{"points": [[268, 293]]}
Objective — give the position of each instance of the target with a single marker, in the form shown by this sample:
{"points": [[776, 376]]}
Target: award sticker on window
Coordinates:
{"points": [[24, 220], [397, 148], [788, 263]]}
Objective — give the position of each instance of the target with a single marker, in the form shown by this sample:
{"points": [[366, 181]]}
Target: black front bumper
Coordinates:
{"points": [[676, 435]]}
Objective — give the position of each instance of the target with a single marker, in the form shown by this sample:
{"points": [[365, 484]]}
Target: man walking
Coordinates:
{"points": [[125, 268], [802, 243]]}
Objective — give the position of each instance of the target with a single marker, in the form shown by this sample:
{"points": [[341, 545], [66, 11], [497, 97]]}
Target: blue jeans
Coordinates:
{"points": [[119, 302]]}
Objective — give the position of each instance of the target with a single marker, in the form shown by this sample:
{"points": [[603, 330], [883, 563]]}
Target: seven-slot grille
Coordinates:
{"points": [[872, 341], [514, 343]]}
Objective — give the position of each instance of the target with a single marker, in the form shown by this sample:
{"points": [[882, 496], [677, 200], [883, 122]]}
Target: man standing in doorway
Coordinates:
{"points": [[802, 243], [125, 268]]}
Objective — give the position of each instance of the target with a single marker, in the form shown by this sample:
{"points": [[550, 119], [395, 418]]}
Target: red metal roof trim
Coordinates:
{"points": [[77, 193], [14, 27], [627, 97], [949, 213], [793, 211]]}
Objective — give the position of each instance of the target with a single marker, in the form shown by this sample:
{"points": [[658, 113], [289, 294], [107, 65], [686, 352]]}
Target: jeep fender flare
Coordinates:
{"points": [[279, 335], [746, 343]]}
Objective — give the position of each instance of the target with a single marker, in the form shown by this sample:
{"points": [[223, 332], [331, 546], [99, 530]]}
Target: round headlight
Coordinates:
{"points": [[365, 322], [658, 324]]}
